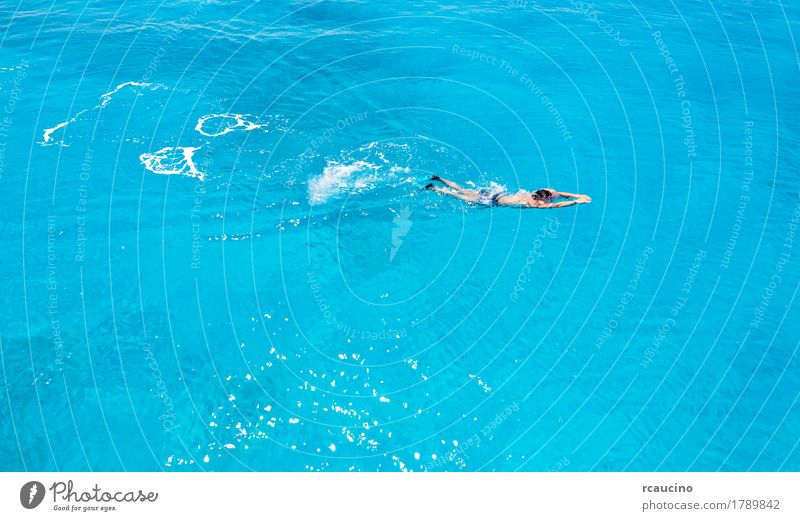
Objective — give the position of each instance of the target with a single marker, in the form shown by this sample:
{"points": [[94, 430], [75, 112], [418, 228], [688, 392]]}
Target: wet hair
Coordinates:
{"points": [[542, 195]]}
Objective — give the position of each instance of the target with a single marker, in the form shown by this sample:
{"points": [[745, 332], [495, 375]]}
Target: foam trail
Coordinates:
{"points": [[107, 96], [371, 165], [47, 136], [232, 122], [336, 178], [172, 161]]}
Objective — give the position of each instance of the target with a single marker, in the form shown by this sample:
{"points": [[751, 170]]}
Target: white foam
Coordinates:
{"points": [[105, 99], [337, 178], [47, 136], [371, 165], [172, 161], [230, 123], [107, 96], [497, 187]]}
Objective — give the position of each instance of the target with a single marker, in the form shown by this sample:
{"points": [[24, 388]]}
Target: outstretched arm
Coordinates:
{"points": [[562, 204], [576, 196]]}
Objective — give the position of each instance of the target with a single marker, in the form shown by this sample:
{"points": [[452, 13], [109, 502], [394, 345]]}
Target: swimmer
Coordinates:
{"points": [[544, 198]]}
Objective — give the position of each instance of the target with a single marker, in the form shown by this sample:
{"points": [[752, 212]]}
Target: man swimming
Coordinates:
{"points": [[543, 198]]}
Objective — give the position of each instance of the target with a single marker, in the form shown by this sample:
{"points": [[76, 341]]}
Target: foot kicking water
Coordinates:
{"points": [[543, 198]]}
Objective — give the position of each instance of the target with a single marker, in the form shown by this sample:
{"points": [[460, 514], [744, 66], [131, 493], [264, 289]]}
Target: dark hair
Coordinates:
{"points": [[542, 195]]}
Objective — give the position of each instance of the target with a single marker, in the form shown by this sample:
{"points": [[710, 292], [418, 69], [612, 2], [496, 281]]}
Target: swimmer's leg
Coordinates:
{"points": [[470, 196], [451, 184]]}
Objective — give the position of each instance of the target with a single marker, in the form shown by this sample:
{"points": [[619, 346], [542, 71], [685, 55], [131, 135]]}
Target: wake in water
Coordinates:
{"points": [[365, 169], [172, 161], [337, 178], [105, 99]]}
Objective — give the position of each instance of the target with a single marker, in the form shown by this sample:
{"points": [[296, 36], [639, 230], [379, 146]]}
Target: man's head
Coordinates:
{"points": [[542, 195]]}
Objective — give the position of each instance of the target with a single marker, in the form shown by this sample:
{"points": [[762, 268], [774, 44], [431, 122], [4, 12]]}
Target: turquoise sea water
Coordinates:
{"points": [[217, 256]]}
